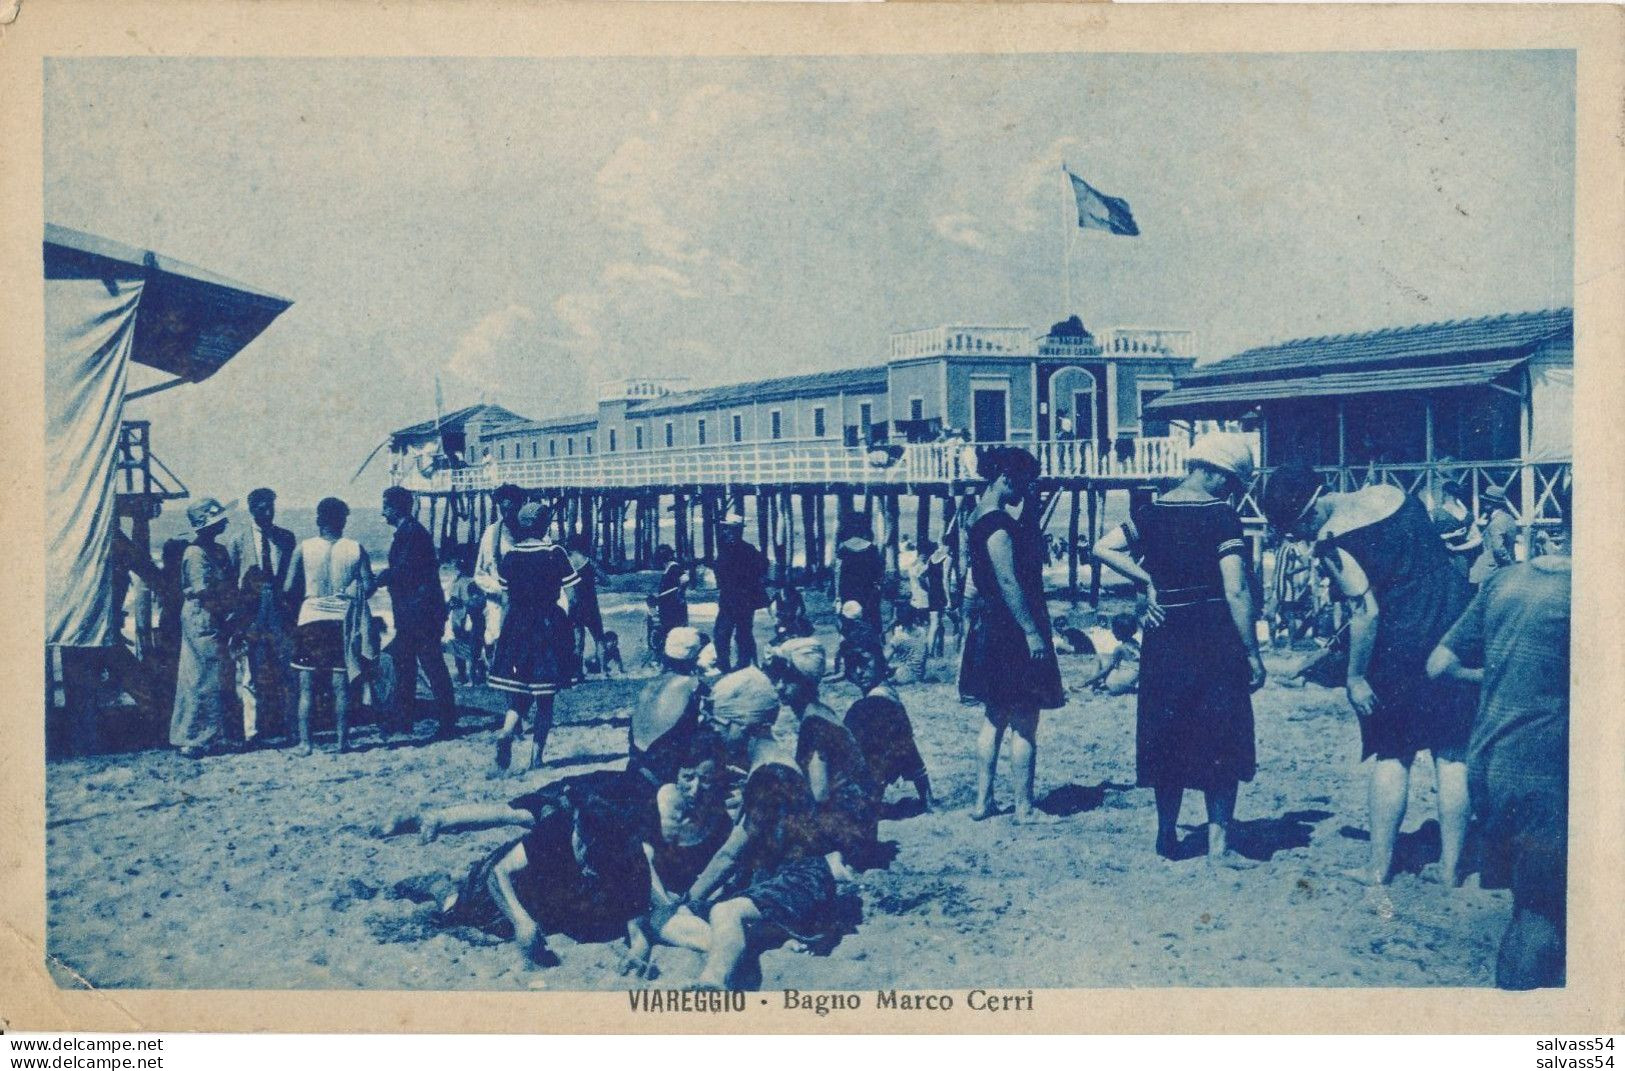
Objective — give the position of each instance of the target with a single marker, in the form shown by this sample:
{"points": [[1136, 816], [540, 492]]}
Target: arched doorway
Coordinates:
{"points": [[1072, 398]]}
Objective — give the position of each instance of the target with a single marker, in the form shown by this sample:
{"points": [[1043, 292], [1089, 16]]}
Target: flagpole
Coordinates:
{"points": [[1068, 224]]}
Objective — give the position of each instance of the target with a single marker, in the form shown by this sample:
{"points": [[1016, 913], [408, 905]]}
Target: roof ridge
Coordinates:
{"points": [[1533, 314]]}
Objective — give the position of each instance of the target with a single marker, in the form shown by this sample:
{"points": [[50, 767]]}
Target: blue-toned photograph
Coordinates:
{"points": [[854, 524]]}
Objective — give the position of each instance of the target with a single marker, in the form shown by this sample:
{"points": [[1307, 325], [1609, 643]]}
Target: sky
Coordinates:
{"points": [[525, 229]]}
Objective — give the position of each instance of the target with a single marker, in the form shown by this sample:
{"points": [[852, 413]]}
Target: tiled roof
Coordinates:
{"points": [[1395, 347], [848, 380]]}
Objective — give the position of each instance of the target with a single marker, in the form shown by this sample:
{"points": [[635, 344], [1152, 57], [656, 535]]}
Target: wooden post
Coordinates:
{"points": [[1094, 567], [679, 526], [922, 519], [894, 517], [708, 525], [809, 532], [1072, 543], [764, 523]]}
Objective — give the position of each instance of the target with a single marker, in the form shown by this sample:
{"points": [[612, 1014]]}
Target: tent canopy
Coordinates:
{"points": [[107, 305], [191, 321]]}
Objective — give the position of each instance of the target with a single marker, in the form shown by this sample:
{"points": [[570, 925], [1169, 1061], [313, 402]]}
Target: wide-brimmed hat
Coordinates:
{"points": [[205, 512], [1225, 451], [733, 520], [682, 643], [1495, 493]]}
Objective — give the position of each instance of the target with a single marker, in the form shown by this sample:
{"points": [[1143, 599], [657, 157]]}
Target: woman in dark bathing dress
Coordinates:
{"points": [[1382, 551], [1008, 660], [1199, 663]]}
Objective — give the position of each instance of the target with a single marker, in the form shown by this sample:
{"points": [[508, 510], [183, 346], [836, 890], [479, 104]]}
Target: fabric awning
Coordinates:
{"points": [[1197, 399]]}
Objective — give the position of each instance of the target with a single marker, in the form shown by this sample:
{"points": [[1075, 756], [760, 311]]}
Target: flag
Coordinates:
{"points": [[1097, 212]]}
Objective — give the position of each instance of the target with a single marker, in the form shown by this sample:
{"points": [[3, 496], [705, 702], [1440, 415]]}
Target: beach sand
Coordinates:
{"points": [[258, 870]]}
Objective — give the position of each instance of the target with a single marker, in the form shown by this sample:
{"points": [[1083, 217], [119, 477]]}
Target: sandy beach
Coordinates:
{"points": [[259, 870]]}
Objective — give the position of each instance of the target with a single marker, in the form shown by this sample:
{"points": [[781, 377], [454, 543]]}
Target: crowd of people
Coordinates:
{"points": [[746, 801]]}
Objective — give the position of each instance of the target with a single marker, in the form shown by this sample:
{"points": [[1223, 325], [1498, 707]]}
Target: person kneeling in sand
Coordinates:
{"points": [[579, 871], [779, 883], [879, 722]]}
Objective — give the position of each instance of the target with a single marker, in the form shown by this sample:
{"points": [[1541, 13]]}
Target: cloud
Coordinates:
{"points": [[471, 358], [961, 228], [650, 276], [1031, 197]]}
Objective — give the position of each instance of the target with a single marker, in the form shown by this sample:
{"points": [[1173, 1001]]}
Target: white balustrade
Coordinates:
{"points": [[811, 462]]}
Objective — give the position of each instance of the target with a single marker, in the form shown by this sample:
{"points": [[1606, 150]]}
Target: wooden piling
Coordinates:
{"points": [[1094, 534], [1072, 544]]}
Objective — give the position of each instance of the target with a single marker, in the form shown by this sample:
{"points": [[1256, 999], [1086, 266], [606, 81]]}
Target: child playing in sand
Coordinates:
{"points": [[1121, 674], [790, 614], [856, 634]]}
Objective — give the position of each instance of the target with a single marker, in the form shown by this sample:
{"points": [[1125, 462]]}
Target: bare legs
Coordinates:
{"points": [[1454, 808], [1389, 792], [727, 944], [510, 728], [1023, 725], [1221, 816], [341, 708]]}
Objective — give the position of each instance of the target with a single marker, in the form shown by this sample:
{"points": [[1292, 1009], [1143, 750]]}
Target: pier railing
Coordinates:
{"points": [[804, 462]]}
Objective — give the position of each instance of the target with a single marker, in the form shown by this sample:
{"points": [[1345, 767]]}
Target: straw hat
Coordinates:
{"points": [[1494, 494], [682, 643], [1225, 451], [733, 520], [205, 512], [851, 609]]}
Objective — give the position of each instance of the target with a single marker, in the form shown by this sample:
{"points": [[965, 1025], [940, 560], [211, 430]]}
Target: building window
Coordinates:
{"points": [[699, 431], [612, 440], [866, 417], [776, 423], [589, 444], [637, 437], [818, 422], [570, 447], [669, 434], [916, 408], [534, 446], [502, 453], [552, 448], [739, 428]]}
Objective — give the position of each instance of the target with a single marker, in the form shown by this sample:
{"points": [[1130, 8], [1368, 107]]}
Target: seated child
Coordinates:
{"points": [[790, 615], [881, 727], [856, 634], [1121, 674]]}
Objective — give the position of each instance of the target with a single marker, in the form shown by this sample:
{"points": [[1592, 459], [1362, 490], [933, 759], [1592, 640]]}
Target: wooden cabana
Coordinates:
{"points": [[1484, 401]]}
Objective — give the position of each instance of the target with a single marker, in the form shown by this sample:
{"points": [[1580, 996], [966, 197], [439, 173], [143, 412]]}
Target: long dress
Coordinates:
{"points": [[204, 678], [995, 666], [1420, 594], [536, 653], [1194, 721]]}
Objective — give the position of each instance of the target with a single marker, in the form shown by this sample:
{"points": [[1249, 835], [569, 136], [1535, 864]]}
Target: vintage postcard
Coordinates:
{"points": [[874, 518]]}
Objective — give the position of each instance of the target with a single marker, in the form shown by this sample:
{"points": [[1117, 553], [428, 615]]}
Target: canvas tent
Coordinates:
{"points": [[106, 305]]}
